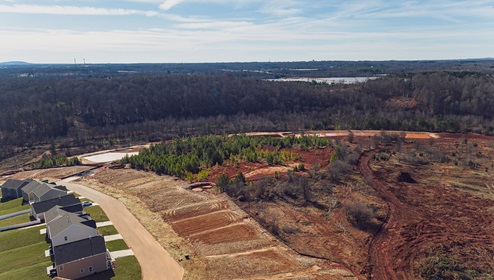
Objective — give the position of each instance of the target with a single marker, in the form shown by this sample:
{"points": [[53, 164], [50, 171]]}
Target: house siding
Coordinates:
{"points": [[72, 270], [73, 233]]}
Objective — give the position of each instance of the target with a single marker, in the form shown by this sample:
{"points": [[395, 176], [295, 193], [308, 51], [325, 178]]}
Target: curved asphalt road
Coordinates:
{"points": [[156, 262]]}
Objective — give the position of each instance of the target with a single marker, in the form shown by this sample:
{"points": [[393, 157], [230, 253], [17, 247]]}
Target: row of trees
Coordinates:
{"points": [[184, 157], [56, 161]]}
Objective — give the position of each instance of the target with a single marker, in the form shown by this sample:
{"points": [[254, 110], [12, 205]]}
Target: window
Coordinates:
{"points": [[60, 267], [90, 269], [65, 238], [82, 270]]}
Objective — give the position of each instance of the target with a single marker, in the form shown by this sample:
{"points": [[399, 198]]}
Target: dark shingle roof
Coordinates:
{"points": [[44, 188], [58, 210], [14, 184], [67, 200], [79, 249], [31, 186], [66, 220]]}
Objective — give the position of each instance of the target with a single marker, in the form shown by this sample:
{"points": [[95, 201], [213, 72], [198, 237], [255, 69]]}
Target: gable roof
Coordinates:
{"points": [[66, 200], [79, 249], [58, 210], [31, 186], [14, 184], [44, 188], [67, 220]]}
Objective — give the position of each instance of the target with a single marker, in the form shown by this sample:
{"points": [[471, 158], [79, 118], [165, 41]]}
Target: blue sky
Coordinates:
{"points": [[159, 31]]}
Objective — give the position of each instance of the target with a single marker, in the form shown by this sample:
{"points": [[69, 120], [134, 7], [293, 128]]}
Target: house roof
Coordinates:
{"points": [[66, 200], [14, 184], [58, 210], [79, 249], [59, 187], [67, 220], [31, 186], [45, 188]]}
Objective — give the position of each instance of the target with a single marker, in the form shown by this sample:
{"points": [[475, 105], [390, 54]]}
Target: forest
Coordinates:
{"points": [[104, 111]]}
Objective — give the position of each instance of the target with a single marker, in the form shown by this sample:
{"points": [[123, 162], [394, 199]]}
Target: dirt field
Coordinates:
{"points": [[217, 232], [442, 206], [54, 174], [448, 211]]}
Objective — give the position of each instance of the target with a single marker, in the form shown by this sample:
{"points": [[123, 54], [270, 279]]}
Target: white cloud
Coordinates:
{"points": [[71, 10], [168, 4]]}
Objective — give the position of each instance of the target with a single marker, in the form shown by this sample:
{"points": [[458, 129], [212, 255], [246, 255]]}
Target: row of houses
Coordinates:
{"points": [[77, 248]]}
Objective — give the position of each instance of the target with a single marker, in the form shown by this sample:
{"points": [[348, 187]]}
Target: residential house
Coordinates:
{"points": [[58, 211], [13, 188], [70, 227], [38, 209], [27, 190], [45, 192], [81, 258]]}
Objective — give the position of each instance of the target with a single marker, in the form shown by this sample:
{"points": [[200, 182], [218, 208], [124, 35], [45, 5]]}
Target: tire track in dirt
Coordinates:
{"points": [[421, 217]]}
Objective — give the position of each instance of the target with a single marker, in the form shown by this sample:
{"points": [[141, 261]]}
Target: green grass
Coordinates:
{"points": [[116, 245], [24, 256], [107, 230], [16, 238], [12, 206], [24, 218], [127, 268], [37, 271], [96, 213]]}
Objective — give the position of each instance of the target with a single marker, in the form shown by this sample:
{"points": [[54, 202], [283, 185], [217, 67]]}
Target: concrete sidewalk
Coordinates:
{"points": [[121, 253]]}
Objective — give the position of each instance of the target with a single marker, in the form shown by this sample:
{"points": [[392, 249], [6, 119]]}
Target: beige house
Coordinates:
{"points": [[81, 258]]}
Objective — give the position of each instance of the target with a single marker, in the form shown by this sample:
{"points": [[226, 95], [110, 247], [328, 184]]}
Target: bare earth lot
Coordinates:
{"points": [[447, 211]]}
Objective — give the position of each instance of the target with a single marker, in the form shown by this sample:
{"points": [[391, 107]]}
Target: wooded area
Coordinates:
{"points": [[78, 112]]}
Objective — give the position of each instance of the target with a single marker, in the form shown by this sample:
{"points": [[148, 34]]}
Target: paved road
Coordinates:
{"points": [[156, 262]]}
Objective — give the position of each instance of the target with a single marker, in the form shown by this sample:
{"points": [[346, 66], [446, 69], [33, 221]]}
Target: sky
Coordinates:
{"points": [[175, 31]]}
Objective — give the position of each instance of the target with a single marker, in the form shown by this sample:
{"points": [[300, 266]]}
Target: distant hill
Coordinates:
{"points": [[13, 63]]}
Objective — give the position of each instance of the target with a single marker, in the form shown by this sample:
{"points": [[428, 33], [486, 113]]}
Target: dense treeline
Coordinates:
{"points": [[161, 107], [186, 157], [56, 161]]}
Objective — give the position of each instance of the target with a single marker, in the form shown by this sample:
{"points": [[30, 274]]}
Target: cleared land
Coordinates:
{"points": [[446, 212]]}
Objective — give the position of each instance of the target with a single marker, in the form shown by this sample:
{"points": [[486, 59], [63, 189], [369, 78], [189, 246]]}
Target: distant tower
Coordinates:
{"points": [[84, 61], [75, 62]]}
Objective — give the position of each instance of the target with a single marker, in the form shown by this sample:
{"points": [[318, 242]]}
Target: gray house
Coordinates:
{"points": [[58, 211], [28, 189], [13, 188], [70, 227], [81, 258], [38, 209], [46, 192]]}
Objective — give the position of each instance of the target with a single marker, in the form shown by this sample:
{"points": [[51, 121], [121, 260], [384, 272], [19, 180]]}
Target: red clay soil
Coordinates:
{"points": [[424, 217]]}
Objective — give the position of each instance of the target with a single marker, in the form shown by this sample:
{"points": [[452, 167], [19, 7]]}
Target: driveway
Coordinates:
{"points": [[156, 262]]}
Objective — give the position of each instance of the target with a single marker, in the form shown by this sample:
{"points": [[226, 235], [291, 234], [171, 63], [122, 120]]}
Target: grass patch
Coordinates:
{"points": [[127, 268], [12, 206], [24, 256], [116, 245], [108, 230], [22, 237], [36, 271], [96, 213], [24, 218]]}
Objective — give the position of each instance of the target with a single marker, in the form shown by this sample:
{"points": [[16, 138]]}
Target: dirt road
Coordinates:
{"points": [[156, 262]]}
